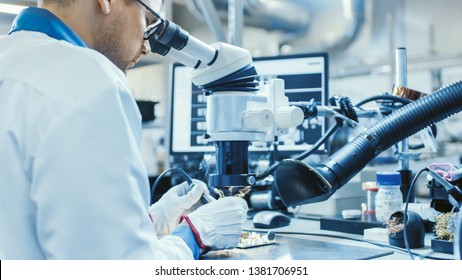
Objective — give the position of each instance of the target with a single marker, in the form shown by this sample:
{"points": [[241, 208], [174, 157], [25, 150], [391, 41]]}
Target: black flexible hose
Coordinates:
{"points": [[298, 183], [399, 125], [382, 98], [392, 98]]}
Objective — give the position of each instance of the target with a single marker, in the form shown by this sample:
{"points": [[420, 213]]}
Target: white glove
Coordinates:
{"points": [[179, 200], [218, 225]]}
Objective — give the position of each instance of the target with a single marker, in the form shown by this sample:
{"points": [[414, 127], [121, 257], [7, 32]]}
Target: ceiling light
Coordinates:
{"points": [[11, 9]]}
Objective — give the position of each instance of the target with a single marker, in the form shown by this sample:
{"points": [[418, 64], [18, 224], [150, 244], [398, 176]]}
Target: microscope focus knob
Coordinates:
{"points": [[289, 116], [257, 118]]}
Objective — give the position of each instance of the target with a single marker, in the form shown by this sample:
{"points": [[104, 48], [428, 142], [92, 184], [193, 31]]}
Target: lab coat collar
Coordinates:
{"points": [[42, 20]]}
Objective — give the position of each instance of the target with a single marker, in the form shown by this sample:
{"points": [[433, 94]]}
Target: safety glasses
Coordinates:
{"points": [[151, 29]]}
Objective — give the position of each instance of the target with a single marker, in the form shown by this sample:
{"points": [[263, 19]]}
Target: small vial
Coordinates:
{"points": [[371, 192], [389, 198]]}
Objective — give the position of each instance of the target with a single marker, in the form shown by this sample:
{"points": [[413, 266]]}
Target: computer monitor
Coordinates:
{"points": [[306, 78]]}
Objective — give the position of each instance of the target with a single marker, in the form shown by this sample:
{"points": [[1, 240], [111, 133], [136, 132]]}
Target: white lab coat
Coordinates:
{"points": [[72, 181]]}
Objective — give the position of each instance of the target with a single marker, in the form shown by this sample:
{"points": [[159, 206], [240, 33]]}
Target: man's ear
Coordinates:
{"points": [[105, 6]]}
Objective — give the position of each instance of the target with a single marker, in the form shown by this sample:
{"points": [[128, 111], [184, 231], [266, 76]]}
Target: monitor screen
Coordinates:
{"points": [[306, 78]]}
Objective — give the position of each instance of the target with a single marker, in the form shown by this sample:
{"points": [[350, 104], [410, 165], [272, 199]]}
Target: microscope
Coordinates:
{"points": [[240, 109]]}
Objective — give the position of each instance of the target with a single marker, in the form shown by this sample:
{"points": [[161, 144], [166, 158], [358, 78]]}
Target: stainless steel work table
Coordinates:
{"points": [[317, 244]]}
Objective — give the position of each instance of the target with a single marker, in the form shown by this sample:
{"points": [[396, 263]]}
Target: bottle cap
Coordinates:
{"points": [[388, 178]]}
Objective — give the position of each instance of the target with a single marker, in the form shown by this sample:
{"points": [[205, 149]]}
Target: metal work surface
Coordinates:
{"points": [[294, 248]]}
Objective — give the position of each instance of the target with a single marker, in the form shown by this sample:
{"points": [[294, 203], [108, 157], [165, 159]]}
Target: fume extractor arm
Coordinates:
{"points": [[298, 183]]}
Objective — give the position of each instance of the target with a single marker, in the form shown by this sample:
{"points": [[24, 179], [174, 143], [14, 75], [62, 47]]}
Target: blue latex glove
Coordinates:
{"points": [[179, 200], [218, 225]]}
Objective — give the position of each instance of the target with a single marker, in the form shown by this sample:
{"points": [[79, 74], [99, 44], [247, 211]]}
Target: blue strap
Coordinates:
{"points": [[42, 20], [185, 233]]}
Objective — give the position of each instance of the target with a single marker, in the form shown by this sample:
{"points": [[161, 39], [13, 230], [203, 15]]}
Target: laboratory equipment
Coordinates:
{"points": [[305, 78], [229, 83], [270, 219], [415, 230], [440, 197], [389, 198], [239, 108], [349, 197], [298, 183], [371, 193], [251, 239]]}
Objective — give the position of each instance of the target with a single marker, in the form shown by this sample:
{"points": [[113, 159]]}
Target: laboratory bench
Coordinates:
{"points": [[326, 237], [303, 239]]}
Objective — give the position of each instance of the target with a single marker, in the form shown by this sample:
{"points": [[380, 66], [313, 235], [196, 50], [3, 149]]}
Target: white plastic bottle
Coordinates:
{"points": [[389, 198]]}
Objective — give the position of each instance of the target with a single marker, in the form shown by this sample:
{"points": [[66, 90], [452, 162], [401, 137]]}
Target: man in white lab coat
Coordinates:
{"points": [[72, 180]]}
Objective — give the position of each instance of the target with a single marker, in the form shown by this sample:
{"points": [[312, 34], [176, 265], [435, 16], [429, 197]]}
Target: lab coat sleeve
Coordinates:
{"points": [[90, 187]]}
